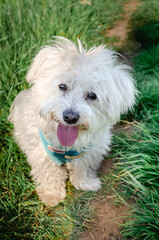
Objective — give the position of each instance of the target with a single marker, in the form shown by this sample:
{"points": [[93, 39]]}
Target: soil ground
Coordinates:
{"points": [[121, 27], [108, 218], [107, 224]]}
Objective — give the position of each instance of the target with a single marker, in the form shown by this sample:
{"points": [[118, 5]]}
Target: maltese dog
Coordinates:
{"points": [[63, 122]]}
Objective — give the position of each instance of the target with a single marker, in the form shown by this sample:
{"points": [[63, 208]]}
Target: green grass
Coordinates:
{"points": [[144, 23], [25, 26], [138, 159], [146, 223], [148, 11], [147, 75], [138, 171]]}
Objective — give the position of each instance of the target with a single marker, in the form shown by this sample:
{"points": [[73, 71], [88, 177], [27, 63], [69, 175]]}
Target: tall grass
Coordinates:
{"points": [[138, 154], [138, 166], [147, 75], [144, 24]]}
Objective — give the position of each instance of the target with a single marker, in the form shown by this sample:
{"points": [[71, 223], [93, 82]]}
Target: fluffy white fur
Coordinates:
{"points": [[97, 70]]}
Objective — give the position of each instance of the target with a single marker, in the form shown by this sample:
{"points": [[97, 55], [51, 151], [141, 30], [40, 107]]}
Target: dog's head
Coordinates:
{"points": [[83, 91]]}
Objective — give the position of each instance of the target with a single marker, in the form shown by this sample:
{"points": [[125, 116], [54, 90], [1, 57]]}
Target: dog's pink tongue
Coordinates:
{"points": [[66, 134]]}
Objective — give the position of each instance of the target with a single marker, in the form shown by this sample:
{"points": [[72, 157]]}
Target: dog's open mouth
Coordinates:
{"points": [[67, 134]]}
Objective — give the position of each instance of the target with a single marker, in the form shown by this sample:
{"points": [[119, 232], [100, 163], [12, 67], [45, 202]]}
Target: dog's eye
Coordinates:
{"points": [[91, 96], [63, 87]]}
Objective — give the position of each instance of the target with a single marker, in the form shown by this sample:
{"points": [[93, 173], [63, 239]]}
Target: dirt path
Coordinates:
{"points": [[108, 220], [121, 28]]}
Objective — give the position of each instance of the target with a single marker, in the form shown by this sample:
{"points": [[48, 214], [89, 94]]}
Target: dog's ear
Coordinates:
{"points": [[121, 91], [41, 62]]}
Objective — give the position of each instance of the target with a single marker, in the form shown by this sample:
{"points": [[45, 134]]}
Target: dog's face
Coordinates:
{"points": [[81, 91]]}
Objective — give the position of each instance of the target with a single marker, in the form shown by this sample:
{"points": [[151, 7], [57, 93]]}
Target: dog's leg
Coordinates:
{"points": [[50, 181], [83, 174]]}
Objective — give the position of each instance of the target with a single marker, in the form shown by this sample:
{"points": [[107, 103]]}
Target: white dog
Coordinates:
{"points": [[63, 121]]}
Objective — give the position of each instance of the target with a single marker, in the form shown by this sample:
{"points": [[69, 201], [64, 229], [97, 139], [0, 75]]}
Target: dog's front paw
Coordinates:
{"points": [[52, 198], [87, 184]]}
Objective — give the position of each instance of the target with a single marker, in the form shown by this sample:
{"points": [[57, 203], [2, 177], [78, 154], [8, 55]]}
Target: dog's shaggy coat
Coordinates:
{"points": [[96, 86]]}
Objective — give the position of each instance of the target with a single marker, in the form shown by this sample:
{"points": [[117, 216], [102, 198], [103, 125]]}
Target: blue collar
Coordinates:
{"points": [[58, 156]]}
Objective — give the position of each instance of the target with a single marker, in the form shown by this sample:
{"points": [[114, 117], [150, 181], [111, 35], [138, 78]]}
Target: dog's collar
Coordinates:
{"points": [[59, 156]]}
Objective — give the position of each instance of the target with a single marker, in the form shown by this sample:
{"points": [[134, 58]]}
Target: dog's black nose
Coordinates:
{"points": [[70, 117]]}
